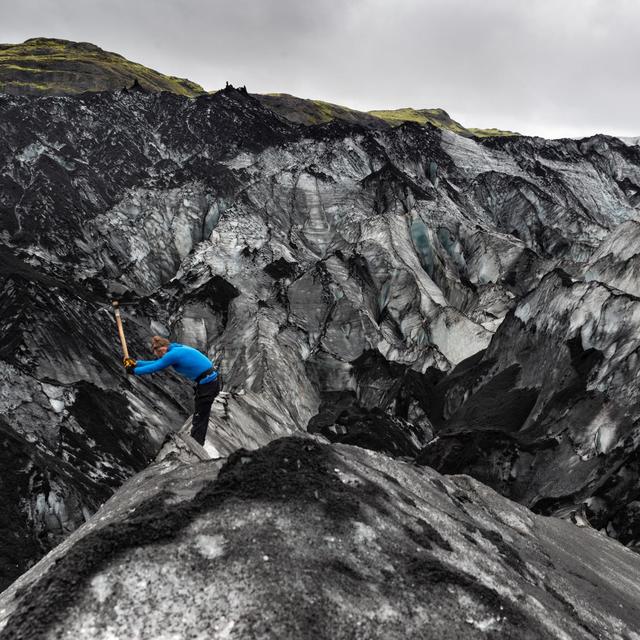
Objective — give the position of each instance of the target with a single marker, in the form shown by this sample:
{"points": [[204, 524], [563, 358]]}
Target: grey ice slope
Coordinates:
{"points": [[302, 539]]}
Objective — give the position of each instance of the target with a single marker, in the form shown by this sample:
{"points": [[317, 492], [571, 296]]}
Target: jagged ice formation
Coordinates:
{"points": [[340, 275]]}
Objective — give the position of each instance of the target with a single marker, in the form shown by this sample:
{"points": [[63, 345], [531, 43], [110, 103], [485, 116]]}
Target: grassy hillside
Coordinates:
{"points": [[309, 112], [315, 111], [48, 66], [438, 118]]}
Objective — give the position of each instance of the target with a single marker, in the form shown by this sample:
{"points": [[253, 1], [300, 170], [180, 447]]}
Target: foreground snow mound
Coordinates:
{"points": [[302, 539]]}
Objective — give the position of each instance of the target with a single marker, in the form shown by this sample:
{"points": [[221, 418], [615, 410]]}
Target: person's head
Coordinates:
{"points": [[159, 346]]}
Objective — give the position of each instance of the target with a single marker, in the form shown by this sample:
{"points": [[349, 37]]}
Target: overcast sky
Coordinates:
{"points": [[541, 67]]}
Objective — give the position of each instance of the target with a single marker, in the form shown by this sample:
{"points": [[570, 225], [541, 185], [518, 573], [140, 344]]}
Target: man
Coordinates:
{"points": [[190, 363]]}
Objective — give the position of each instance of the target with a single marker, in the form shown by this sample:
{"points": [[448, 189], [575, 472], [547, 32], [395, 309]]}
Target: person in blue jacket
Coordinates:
{"points": [[190, 363]]}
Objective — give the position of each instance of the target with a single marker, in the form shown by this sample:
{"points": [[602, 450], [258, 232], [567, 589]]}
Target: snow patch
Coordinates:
{"points": [[523, 312], [211, 450], [485, 624], [364, 533], [182, 237], [31, 152], [101, 588], [58, 397], [158, 328], [210, 547], [606, 437], [225, 632]]}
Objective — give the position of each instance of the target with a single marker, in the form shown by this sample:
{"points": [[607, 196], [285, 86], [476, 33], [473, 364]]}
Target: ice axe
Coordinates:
{"points": [[123, 340]]}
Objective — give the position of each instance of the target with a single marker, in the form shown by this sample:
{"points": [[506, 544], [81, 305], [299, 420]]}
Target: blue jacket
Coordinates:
{"points": [[187, 361]]}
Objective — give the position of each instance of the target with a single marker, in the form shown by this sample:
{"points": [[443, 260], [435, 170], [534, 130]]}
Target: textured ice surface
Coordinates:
{"points": [[617, 260], [301, 539], [557, 388], [293, 256]]}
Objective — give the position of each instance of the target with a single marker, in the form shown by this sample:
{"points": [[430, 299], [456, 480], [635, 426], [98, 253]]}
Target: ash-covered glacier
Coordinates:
{"points": [[327, 267]]}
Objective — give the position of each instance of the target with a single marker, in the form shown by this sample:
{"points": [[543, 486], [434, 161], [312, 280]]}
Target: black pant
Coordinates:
{"points": [[205, 394]]}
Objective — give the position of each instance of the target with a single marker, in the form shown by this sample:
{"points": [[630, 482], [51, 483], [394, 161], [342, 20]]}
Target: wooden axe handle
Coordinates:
{"points": [[123, 340]]}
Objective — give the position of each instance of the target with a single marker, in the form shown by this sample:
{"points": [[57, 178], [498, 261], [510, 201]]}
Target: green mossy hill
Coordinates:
{"points": [[438, 118], [487, 133], [310, 112], [48, 66]]}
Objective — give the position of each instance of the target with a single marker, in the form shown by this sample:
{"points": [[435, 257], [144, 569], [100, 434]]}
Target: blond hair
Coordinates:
{"points": [[159, 341]]}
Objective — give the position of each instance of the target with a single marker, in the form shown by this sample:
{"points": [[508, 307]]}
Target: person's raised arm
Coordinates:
{"points": [[151, 366]]}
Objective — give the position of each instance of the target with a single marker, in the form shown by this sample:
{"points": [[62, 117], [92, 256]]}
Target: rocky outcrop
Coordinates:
{"points": [[309, 112], [301, 539]]}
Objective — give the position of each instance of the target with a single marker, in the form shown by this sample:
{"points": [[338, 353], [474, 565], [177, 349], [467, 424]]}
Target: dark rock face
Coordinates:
{"points": [[313, 263], [301, 539], [310, 112], [371, 429]]}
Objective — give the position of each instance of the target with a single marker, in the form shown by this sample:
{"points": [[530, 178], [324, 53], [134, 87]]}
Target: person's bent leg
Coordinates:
{"points": [[204, 397]]}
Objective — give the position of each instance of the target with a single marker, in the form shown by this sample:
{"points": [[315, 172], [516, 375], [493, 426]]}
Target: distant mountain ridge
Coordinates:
{"points": [[308, 112], [52, 66], [438, 118]]}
